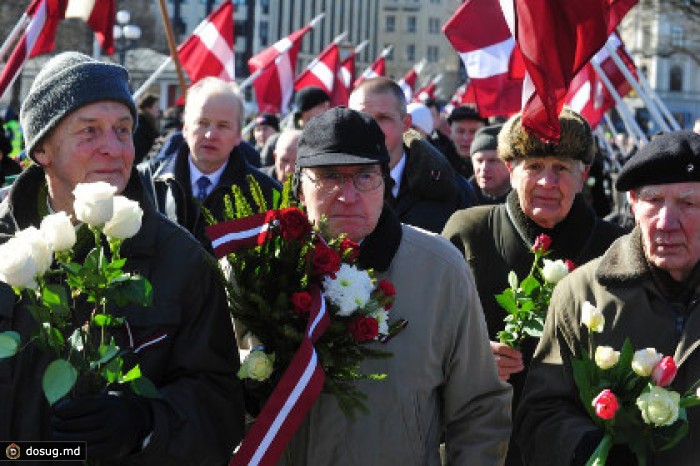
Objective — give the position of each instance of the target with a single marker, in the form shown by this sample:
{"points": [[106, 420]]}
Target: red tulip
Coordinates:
{"points": [[542, 243], [664, 372], [605, 404]]}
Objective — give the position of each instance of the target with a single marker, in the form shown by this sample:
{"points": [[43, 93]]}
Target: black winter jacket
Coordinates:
{"points": [[200, 416]]}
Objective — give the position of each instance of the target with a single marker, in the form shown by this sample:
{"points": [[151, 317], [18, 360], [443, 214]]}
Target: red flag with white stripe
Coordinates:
{"points": [[99, 14], [376, 69], [209, 51], [572, 32], [38, 37], [588, 95], [480, 34], [322, 71], [275, 86], [343, 81], [408, 83], [426, 92]]}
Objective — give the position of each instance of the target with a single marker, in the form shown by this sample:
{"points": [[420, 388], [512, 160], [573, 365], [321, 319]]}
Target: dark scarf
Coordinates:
{"points": [[570, 237], [379, 248]]}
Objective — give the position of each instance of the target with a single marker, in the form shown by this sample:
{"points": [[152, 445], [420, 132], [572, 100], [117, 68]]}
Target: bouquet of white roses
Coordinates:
{"points": [[526, 302], [626, 394], [72, 302]]}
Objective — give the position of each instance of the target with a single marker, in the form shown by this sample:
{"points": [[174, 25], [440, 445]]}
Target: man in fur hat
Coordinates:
{"points": [[647, 285], [547, 180]]}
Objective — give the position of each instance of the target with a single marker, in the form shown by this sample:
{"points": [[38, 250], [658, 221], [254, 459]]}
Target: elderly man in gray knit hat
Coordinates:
{"points": [[78, 121]]}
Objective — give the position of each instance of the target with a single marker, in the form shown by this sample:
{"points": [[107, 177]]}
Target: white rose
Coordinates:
{"points": [[592, 318], [94, 202], [606, 357], [126, 221], [257, 366], [644, 361], [40, 248], [659, 406], [17, 267], [58, 231], [553, 271]]}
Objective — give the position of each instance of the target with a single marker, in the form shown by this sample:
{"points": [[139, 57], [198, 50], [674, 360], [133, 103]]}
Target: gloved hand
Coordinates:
{"points": [[113, 426]]}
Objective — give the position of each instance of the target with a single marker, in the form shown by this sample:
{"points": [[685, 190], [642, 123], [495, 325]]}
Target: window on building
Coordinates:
{"points": [[434, 25], [432, 53], [265, 5], [411, 52], [675, 79], [677, 36], [411, 24], [390, 24], [264, 33]]}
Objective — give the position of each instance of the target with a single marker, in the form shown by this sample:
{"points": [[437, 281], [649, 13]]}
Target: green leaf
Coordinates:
{"points": [[107, 320], [112, 371], [507, 301], [145, 388], [529, 284], [9, 343], [55, 296], [107, 352], [133, 374], [59, 378]]}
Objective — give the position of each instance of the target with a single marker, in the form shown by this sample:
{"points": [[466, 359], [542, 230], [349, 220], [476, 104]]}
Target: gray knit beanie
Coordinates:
{"points": [[67, 82]]}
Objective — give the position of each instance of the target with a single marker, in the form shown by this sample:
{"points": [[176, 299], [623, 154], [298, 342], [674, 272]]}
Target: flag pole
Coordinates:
{"points": [[173, 48], [14, 34], [620, 104], [147, 83], [361, 46], [633, 82], [660, 103], [339, 38]]}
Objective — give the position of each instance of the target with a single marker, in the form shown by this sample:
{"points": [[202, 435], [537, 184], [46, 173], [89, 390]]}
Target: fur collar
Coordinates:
{"points": [[624, 263]]}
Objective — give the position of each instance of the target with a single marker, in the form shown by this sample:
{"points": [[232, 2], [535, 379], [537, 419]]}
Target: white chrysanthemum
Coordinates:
{"points": [[350, 289], [382, 316]]}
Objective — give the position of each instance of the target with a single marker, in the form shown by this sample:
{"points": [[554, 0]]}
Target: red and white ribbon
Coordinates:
{"points": [[293, 397], [240, 233]]}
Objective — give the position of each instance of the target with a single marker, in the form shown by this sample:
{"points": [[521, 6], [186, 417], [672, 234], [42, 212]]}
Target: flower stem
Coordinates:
{"points": [[600, 455]]}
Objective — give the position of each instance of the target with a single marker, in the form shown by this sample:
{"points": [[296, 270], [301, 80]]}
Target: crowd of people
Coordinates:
{"points": [[443, 207]]}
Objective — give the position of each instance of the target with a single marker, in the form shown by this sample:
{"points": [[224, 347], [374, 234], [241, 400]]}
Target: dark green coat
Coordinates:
{"points": [[551, 420], [498, 239]]}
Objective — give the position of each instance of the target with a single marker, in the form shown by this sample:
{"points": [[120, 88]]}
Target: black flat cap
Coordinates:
{"points": [[668, 158], [486, 138], [464, 113], [341, 136], [308, 97]]}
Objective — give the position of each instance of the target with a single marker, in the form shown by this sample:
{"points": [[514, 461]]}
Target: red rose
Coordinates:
{"points": [[302, 303], [363, 328], [606, 404], [350, 250], [542, 243], [664, 372], [294, 224], [386, 287], [570, 265], [325, 260]]}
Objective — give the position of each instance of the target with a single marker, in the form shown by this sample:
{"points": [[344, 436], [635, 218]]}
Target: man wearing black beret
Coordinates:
{"points": [[647, 285]]}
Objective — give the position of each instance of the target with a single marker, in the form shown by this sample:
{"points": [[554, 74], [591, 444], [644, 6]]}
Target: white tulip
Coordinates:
{"points": [[94, 202], [126, 221], [17, 266], [644, 361], [40, 248], [553, 271], [592, 318], [606, 357], [58, 231]]}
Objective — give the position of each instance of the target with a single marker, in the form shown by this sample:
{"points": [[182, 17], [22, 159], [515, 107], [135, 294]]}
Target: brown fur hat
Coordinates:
{"points": [[576, 141]]}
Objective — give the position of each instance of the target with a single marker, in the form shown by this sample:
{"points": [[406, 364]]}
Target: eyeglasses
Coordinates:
{"points": [[332, 182]]}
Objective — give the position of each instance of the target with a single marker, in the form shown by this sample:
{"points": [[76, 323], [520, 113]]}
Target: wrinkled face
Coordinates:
{"points": [[547, 187], [285, 158], [212, 130], [491, 173], [93, 143], [462, 134], [384, 108], [331, 193], [262, 133], [668, 216]]}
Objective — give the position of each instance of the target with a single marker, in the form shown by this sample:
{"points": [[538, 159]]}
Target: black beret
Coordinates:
{"points": [[268, 119], [309, 97], [486, 138], [464, 113], [341, 136], [668, 158]]}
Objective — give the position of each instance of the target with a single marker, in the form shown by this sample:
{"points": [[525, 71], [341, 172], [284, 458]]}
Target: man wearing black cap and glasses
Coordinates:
{"points": [[442, 376], [647, 285]]}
